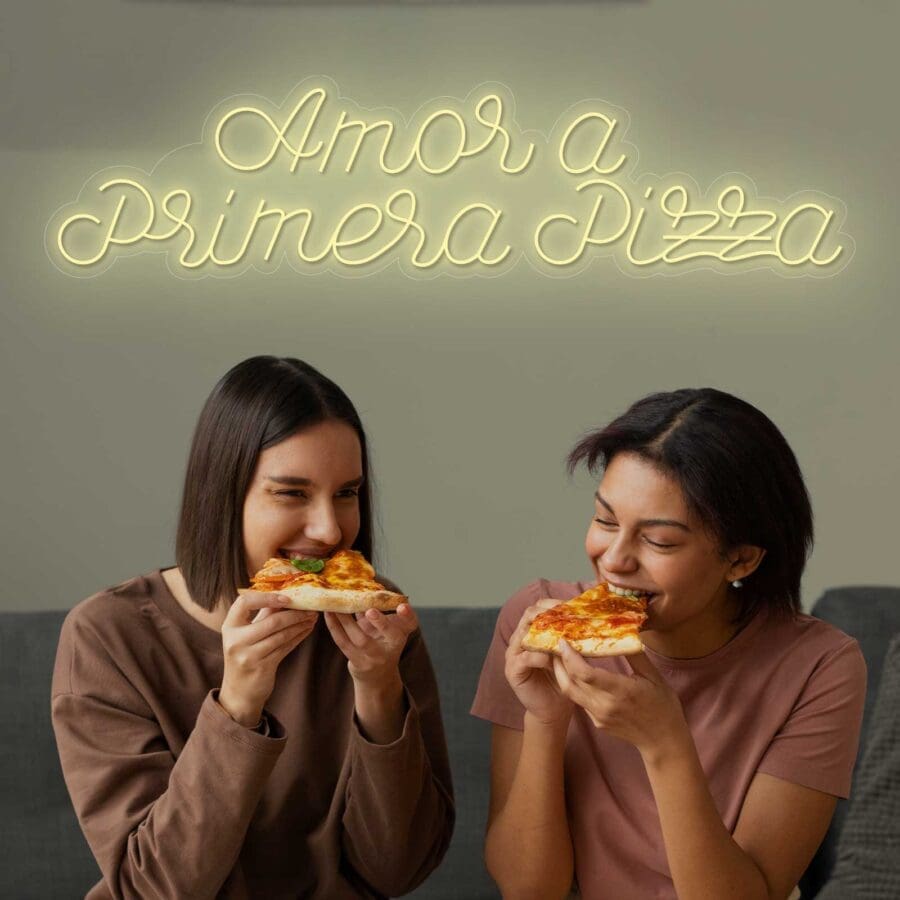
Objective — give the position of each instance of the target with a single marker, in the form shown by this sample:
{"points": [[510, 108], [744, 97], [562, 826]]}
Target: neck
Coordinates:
{"points": [[212, 619], [700, 635]]}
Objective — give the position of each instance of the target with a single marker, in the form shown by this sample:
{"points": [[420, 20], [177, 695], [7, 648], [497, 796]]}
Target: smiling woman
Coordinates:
{"points": [[709, 764], [307, 515], [230, 746]]}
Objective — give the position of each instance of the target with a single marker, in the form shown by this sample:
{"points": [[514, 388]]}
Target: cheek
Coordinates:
{"points": [[266, 525], [349, 520], [690, 578], [248, 521], [595, 542], [256, 518]]}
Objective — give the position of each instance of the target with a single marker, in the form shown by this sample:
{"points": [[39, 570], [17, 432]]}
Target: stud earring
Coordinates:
{"points": [[737, 583]]}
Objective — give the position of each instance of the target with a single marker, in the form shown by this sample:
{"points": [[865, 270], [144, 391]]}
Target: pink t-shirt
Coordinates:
{"points": [[782, 697]]}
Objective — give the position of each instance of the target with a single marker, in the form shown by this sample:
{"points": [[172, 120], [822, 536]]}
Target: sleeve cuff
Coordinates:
{"points": [[268, 736], [410, 727]]}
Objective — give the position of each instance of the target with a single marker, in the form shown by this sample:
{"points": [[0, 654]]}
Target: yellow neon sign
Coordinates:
{"points": [[460, 189]]}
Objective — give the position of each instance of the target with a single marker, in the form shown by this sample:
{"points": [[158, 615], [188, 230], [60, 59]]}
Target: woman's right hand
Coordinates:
{"points": [[257, 634], [530, 673]]}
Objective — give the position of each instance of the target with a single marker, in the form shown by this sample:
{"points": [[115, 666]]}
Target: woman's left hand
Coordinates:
{"points": [[641, 708], [372, 642]]}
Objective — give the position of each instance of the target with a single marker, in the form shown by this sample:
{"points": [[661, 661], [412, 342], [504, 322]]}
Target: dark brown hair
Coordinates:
{"points": [[257, 404], [738, 476]]}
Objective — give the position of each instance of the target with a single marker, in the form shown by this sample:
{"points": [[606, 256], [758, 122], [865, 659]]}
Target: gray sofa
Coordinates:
{"points": [[45, 856]]}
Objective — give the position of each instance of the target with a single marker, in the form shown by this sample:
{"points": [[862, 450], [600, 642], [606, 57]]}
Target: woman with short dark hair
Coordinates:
{"points": [[230, 746], [710, 764]]}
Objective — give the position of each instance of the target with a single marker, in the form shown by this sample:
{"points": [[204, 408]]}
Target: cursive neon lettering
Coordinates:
{"points": [[110, 237], [827, 217], [344, 124], [588, 228], [497, 128], [299, 152], [457, 197], [610, 127]]}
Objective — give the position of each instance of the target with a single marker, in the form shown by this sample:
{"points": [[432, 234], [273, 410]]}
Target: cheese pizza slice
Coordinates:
{"points": [[345, 582], [595, 623]]}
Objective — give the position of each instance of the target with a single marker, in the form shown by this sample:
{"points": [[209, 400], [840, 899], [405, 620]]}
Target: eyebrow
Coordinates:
{"points": [[294, 481], [674, 523]]}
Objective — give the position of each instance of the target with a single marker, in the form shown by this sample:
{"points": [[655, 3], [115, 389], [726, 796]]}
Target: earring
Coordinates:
{"points": [[737, 583]]}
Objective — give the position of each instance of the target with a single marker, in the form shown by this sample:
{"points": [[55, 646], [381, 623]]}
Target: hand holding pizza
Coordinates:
{"points": [[372, 641], [530, 673], [641, 709], [257, 634]]}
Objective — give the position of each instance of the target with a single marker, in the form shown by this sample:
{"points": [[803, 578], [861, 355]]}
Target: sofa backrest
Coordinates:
{"points": [[458, 640], [44, 851], [872, 616]]}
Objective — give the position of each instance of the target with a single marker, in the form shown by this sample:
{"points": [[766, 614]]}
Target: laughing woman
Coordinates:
{"points": [[218, 746], [710, 764]]}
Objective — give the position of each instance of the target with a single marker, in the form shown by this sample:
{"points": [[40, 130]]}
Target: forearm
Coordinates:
{"points": [[246, 714], [528, 849], [704, 859], [380, 709], [159, 829], [399, 816]]}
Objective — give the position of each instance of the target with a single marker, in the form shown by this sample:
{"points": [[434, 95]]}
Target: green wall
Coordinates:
{"points": [[472, 389]]}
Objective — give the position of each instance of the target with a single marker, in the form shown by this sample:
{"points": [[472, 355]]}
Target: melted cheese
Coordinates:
{"points": [[597, 613], [344, 570]]}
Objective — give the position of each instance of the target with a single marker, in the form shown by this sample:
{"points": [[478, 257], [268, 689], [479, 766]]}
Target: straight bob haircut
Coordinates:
{"points": [[737, 474], [257, 404]]}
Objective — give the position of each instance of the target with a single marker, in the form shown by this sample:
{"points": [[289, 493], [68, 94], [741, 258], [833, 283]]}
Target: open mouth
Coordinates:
{"points": [[303, 554], [647, 596], [629, 592]]}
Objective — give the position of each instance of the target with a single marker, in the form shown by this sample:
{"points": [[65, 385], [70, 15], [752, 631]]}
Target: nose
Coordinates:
{"points": [[322, 524], [617, 557]]}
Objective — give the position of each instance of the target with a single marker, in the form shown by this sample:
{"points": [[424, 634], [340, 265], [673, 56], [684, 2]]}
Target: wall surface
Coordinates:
{"points": [[472, 389]]}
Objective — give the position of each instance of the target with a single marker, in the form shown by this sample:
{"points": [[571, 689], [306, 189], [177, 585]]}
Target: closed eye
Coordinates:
{"points": [[658, 544], [604, 522]]}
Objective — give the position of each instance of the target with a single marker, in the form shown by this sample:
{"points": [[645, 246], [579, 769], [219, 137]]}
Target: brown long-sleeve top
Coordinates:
{"points": [[177, 800]]}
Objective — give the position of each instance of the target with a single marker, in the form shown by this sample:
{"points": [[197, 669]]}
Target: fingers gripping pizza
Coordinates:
{"points": [[595, 623], [345, 582]]}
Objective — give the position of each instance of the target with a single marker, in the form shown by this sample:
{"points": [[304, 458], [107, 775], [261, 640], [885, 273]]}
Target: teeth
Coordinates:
{"points": [[627, 592]]}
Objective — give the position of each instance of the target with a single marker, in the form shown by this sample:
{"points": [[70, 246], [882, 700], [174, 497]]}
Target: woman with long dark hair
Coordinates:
{"points": [[216, 745], [710, 764]]}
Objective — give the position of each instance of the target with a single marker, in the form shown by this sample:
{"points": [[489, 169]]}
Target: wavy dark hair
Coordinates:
{"points": [[257, 404], [738, 476]]}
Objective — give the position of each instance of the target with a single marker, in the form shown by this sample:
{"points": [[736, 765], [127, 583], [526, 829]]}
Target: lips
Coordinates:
{"points": [[302, 553]]}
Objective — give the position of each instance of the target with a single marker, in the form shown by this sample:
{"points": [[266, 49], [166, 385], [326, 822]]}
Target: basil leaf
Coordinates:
{"points": [[308, 565]]}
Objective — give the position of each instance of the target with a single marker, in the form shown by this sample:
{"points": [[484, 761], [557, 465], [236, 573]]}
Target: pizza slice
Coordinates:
{"points": [[595, 623], [345, 582]]}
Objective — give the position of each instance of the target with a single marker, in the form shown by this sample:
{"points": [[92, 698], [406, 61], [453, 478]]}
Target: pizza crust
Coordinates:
{"points": [[319, 599], [547, 642]]}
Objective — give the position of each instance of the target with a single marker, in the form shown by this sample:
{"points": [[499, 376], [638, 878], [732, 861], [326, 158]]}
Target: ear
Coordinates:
{"points": [[745, 560]]}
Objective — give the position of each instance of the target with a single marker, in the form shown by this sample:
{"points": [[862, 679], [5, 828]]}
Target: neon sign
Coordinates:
{"points": [[319, 183]]}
